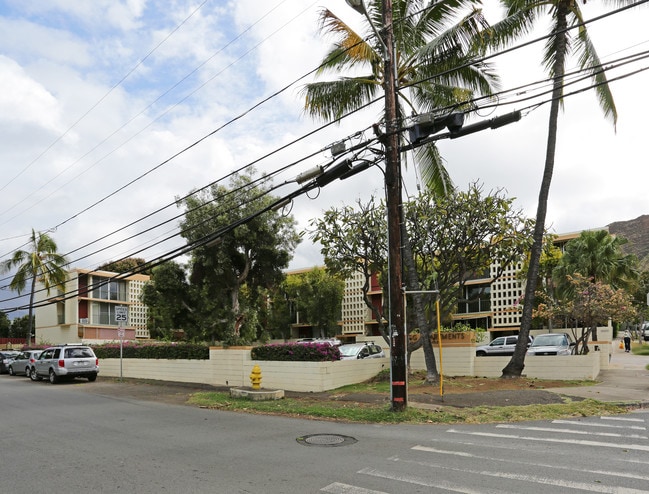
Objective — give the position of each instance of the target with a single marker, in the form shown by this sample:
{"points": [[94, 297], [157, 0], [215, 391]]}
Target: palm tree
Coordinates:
{"points": [[429, 49], [432, 56], [521, 17], [41, 263], [598, 257]]}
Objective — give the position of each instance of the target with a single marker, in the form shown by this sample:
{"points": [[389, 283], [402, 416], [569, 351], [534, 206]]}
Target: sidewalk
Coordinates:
{"points": [[625, 381]]}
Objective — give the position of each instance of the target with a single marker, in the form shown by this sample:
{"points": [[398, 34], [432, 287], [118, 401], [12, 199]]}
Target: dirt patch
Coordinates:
{"points": [[455, 391]]}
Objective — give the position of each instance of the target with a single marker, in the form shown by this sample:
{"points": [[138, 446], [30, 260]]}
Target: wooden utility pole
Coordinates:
{"points": [[398, 340]]}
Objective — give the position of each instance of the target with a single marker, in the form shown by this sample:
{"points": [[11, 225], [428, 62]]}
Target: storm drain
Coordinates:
{"points": [[330, 440]]}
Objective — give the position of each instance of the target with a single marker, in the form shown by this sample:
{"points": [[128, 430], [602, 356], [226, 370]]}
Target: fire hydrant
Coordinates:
{"points": [[255, 377]]}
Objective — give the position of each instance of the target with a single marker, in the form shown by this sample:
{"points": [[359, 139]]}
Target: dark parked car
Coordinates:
{"points": [[5, 358], [22, 363], [503, 345]]}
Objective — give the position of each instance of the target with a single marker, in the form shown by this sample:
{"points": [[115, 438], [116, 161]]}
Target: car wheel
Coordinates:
{"points": [[53, 377], [481, 353], [92, 379], [33, 376], [11, 371]]}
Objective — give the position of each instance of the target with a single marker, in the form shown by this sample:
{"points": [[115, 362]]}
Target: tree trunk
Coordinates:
{"points": [[30, 323], [412, 283], [515, 366]]}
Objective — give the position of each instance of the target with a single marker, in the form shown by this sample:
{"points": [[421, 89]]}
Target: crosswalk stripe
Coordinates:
{"points": [[598, 424], [636, 447], [569, 431], [338, 488]]}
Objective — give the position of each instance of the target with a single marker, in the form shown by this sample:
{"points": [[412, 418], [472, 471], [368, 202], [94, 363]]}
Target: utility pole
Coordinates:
{"points": [[398, 370], [398, 339]]}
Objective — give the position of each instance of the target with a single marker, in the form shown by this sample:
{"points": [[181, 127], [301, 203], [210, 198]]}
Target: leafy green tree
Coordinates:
{"points": [[126, 265], [318, 295], [453, 238], [168, 298], [250, 249], [21, 328], [5, 325], [456, 238], [41, 263], [521, 17], [354, 240], [433, 60]]}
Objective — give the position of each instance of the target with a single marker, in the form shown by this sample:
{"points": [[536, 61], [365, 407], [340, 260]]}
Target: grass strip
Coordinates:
{"points": [[372, 413]]}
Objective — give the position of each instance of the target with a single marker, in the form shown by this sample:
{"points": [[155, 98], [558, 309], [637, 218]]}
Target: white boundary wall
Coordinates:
{"points": [[232, 367]]}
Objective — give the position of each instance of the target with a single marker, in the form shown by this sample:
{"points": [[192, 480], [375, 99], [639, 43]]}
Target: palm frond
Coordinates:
{"points": [[589, 60], [433, 173], [330, 100], [350, 47]]}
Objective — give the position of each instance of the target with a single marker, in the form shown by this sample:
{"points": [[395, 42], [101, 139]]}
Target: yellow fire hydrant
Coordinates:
{"points": [[255, 377]]}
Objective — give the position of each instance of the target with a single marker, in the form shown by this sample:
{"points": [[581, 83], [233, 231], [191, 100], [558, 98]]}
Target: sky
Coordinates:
{"points": [[110, 110]]}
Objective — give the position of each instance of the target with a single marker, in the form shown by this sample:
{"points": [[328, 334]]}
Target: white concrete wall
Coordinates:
{"points": [[233, 367], [561, 367]]}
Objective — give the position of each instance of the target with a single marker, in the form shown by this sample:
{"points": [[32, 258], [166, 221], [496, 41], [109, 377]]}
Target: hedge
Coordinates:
{"points": [[303, 352], [154, 351]]}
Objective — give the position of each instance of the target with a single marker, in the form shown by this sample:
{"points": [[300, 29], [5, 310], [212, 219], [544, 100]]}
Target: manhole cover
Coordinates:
{"points": [[326, 440]]}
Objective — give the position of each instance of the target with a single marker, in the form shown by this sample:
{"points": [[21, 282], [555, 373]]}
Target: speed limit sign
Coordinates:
{"points": [[121, 314]]}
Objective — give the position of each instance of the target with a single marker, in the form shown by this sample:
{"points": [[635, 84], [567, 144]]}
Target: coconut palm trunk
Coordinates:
{"points": [[517, 363]]}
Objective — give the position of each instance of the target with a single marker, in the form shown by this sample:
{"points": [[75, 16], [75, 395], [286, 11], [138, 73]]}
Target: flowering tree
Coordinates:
{"points": [[593, 303]]}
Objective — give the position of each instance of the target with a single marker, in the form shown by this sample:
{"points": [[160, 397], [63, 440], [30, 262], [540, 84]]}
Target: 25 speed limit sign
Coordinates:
{"points": [[121, 314]]}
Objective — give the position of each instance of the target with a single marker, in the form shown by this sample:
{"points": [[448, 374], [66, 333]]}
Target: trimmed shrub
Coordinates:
{"points": [[169, 351], [303, 352]]}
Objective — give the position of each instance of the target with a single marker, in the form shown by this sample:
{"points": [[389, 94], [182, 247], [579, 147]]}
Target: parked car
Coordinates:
{"points": [[551, 344], [65, 361], [5, 358], [644, 330], [360, 350], [21, 364], [327, 341], [503, 345]]}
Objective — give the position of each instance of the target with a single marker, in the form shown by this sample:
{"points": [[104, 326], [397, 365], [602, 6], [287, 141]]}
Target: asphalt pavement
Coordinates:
{"points": [[625, 381]]}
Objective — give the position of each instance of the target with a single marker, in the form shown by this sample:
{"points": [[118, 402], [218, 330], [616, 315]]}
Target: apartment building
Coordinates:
{"points": [[94, 307]]}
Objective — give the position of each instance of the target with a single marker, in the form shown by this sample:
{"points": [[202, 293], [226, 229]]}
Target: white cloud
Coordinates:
{"points": [[56, 76]]}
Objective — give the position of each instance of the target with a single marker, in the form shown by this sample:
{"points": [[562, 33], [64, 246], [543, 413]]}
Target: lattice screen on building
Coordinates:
{"points": [[506, 295]]}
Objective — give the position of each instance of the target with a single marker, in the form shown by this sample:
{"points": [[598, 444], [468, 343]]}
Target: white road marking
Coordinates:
{"points": [[621, 419], [338, 488], [636, 447], [569, 431], [563, 484], [432, 482], [571, 468], [597, 424]]}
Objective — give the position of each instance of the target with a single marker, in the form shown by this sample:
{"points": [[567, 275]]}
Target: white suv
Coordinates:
{"points": [[65, 361]]}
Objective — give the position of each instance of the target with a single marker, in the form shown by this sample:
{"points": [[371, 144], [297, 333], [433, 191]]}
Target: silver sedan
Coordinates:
{"points": [[22, 363]]}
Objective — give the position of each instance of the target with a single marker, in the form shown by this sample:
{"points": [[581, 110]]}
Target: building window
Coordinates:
{"points": [[109, 290], [103, 314]]}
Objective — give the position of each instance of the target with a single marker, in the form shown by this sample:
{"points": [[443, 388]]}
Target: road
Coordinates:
{"points": [[64, 439]]}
